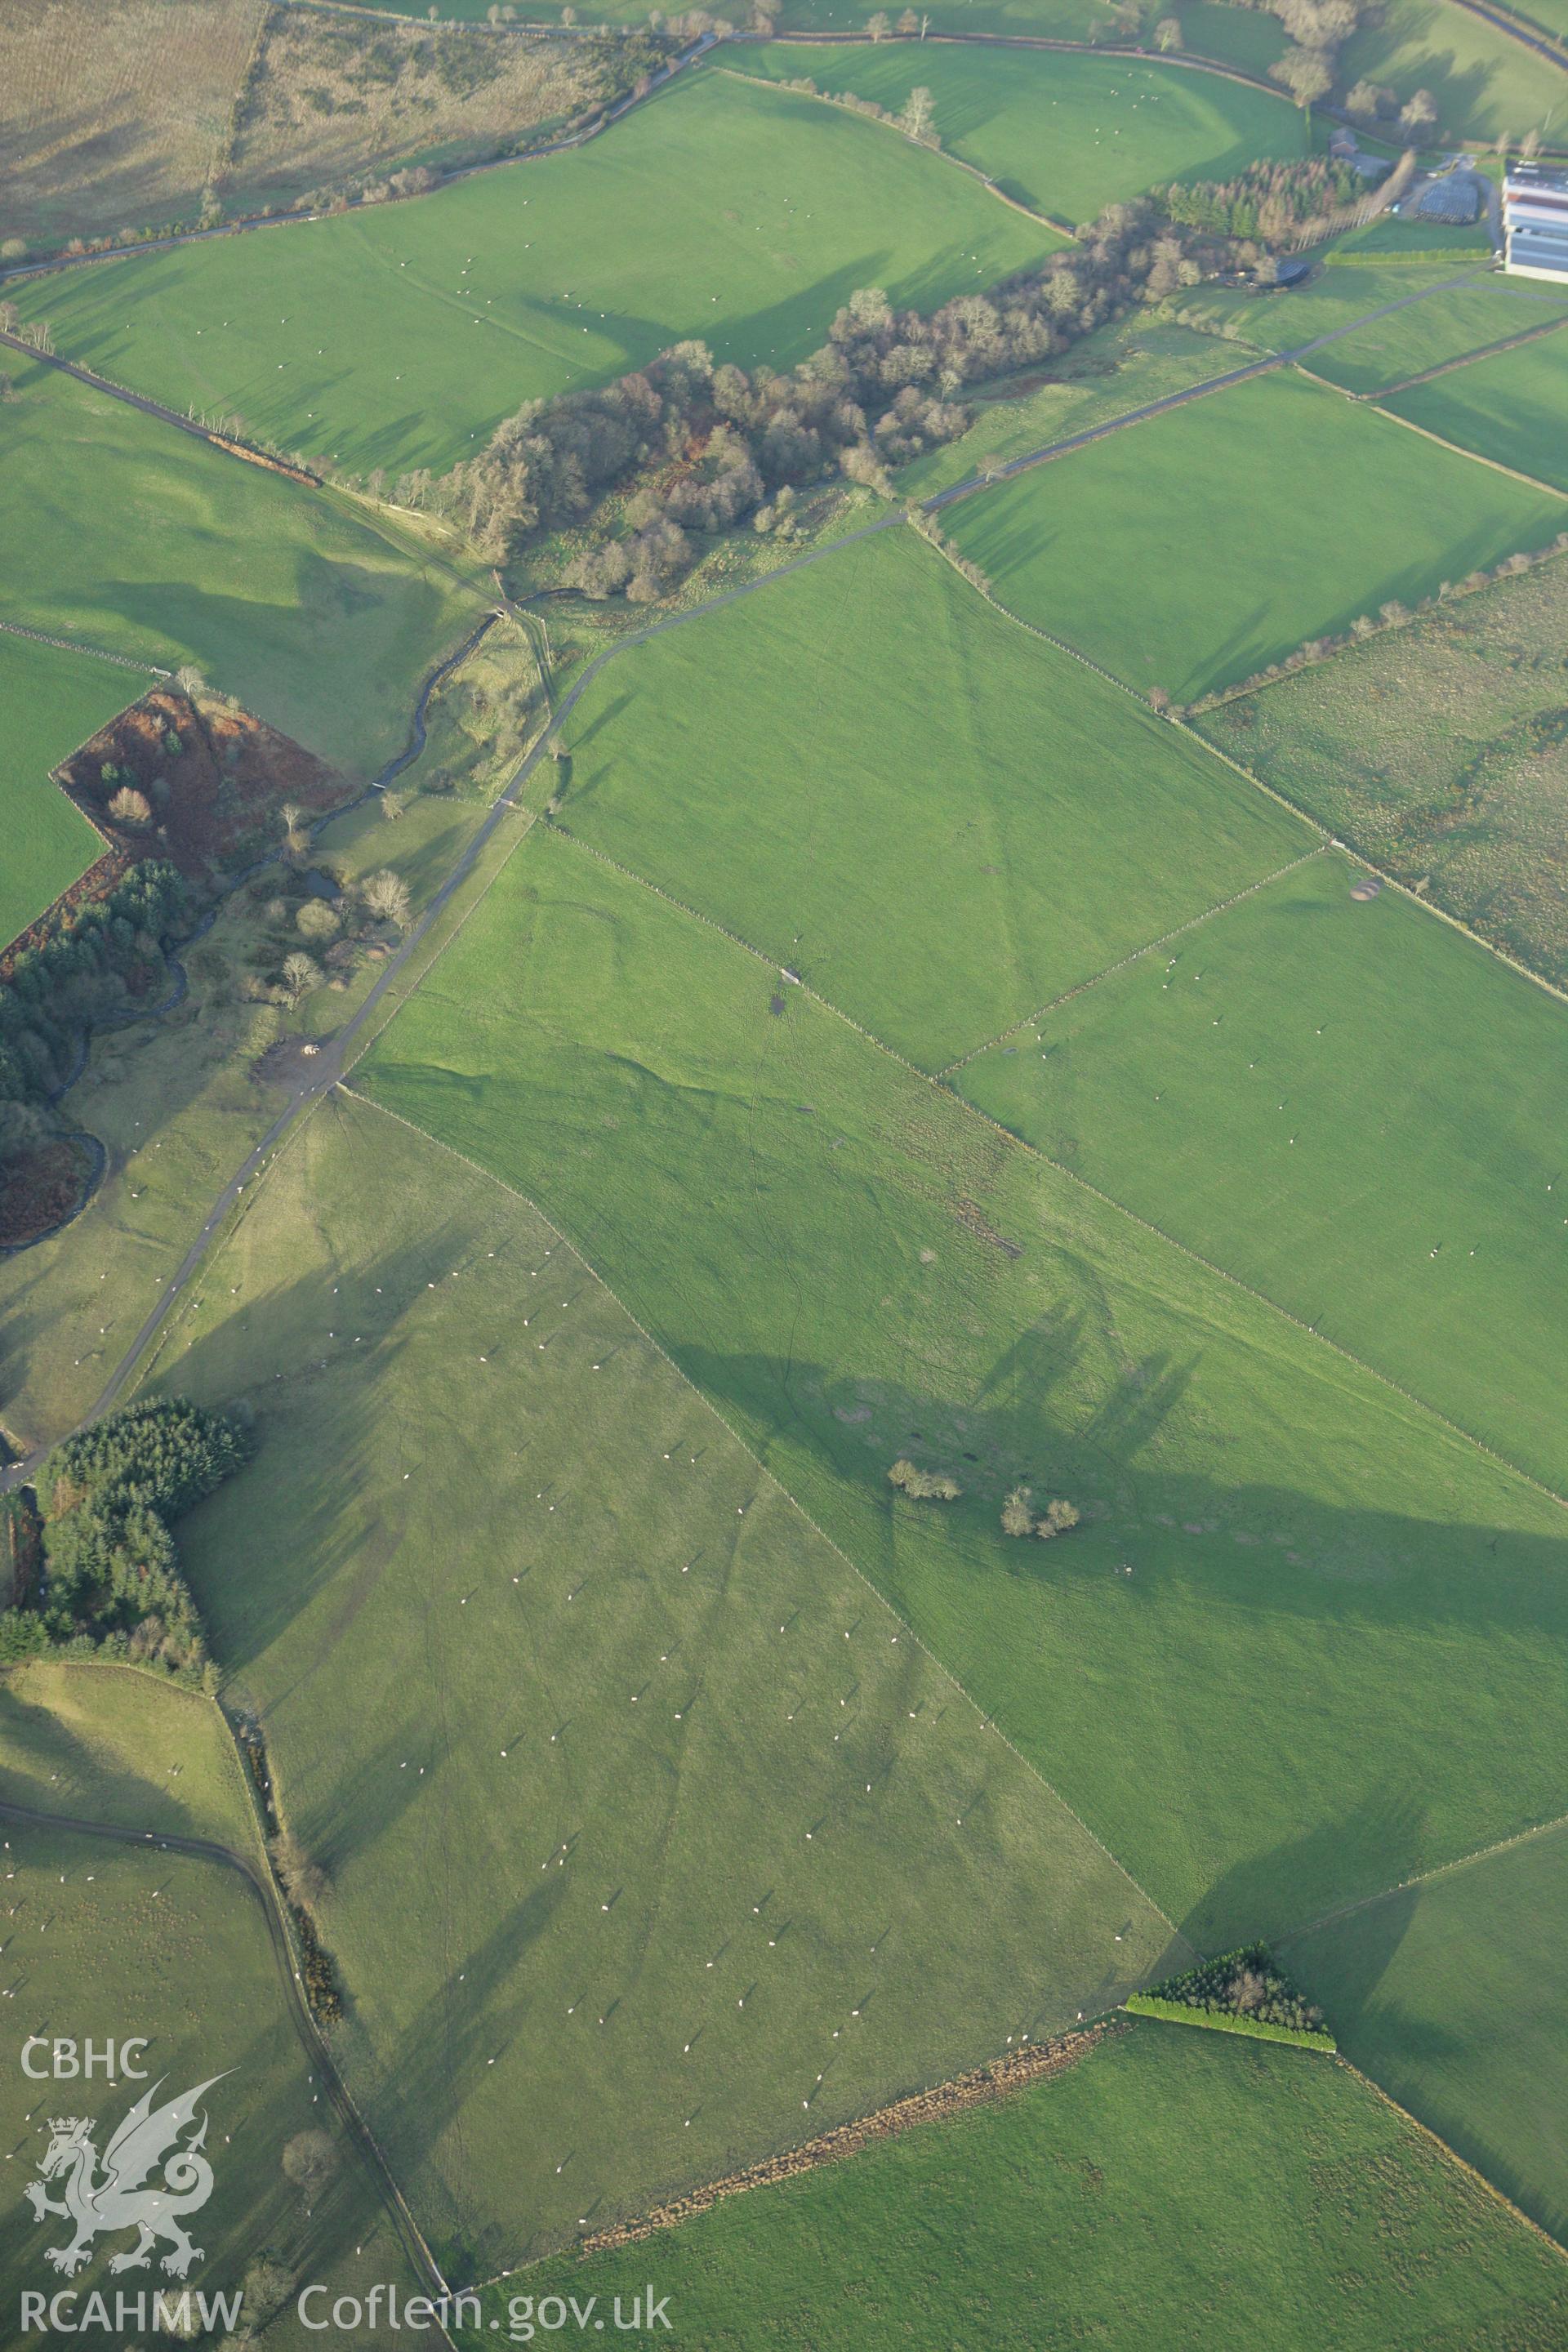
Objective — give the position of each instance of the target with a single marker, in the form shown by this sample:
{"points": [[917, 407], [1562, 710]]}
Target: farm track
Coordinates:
{"points": [[335, 1057], [230, 1858], [1465, 360], [1211, 1266], [248, 223]]}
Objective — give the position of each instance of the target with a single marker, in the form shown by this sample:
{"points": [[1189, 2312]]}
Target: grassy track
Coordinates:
{"points": [[1441, 750], [1355, 1111], [1451, 1994], [1339, 293], [1174, 2187], [852, 1265], [105, 1743], [52, 701], [109, 1940], [400, 336], [124, 531], [177, 1105], [498, 1521], [1429, 334], [1162, 552], [1116, 369], [973, 823], [1066, 134], [1509, 408]]}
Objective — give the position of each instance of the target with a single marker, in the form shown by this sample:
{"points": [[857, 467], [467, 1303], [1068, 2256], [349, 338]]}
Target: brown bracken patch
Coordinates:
{"points": [[215, 801]]}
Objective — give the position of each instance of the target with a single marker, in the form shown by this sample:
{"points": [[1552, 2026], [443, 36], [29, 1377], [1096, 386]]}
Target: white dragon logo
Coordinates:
{"points": [[120, 2198]]}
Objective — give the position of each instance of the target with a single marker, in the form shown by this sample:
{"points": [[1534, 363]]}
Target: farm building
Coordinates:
{"points": [[1455, 200], [1535, 218]]}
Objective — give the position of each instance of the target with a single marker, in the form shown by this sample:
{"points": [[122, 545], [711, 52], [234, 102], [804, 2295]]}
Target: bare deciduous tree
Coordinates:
{"points": [[310, 2161], [1017, 1513], [300, 973], [385, 895]]}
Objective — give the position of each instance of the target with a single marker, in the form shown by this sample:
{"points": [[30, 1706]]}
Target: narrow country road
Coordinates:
{"points": [[305, 2027], [337, 1056]]}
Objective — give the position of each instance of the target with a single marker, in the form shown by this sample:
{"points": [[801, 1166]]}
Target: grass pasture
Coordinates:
{"points": [[529, 1632], [853, 1265], [1511, 408], [1451, 1995], [1118, 368], [1487, 85], [111, 1744], [911, 864], [1353, 1109], [109, 1940], [143, 540], [1338, 296], [1431, 333], [1066, 135], [1159, 550], [728, 211], [1439, 751], [1174, 2187], [53, 702]]}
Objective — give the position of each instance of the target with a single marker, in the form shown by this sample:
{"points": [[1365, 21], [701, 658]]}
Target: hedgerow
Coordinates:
{"points": [[1148, 2004]]}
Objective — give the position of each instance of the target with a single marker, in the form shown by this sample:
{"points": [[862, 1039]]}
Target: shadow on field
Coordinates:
{"points": [[444, 2052], [1387, 1821], [295, 1342], [1263, 1549]]}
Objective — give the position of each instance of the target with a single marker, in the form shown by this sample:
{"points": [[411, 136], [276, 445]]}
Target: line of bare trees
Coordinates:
{"points": [[688, 445]]}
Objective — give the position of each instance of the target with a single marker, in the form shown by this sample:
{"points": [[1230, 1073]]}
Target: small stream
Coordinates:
{"points": [[127, 1015]]}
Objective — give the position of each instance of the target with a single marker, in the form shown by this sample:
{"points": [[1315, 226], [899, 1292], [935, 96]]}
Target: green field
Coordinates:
{"points": [[1352, 1108], [111, 1744], [1410, 239], [1487, 85], [109, 1940], [515, 1592], [1430, 333], [1118, 368], [851, 1264], [1440, 751], [1066, 135], [1451, 1994], [52, 701], [142, 540], [1174, 2189], [1217, 538], [981, 822], [728, 211], [1339, 293], [1511, 408]]}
